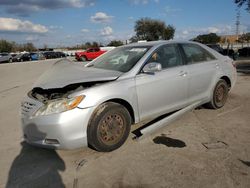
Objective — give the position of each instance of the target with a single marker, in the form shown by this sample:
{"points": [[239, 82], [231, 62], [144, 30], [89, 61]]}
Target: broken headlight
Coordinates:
{"points": [[58, 106]]}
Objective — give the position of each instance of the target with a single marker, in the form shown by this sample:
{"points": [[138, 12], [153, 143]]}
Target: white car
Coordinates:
{"points": [[5, 57], [73, 105]]}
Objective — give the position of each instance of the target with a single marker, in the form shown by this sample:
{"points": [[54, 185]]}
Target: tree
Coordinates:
{"points": [[90, 45], [151, 29], [210, 38], [5, 46], [115, 43], [240, 3], [29, 47], [245, 37]]}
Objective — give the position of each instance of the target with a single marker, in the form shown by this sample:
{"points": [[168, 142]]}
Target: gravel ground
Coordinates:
{"points": [[204, 148]]}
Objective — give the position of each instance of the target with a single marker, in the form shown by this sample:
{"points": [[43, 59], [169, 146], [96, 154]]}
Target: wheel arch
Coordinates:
{"points": [[126, 104], [84, 56], [227, 80]]}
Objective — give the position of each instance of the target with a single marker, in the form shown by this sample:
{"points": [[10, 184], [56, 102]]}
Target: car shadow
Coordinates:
{"points": [[169, 142], [36, 167], [247, 163]]}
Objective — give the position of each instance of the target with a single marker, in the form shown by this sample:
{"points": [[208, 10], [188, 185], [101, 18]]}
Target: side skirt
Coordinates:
{"points": [[164, 121]]}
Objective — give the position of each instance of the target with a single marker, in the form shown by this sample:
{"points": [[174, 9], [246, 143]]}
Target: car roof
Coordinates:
{"points": [[159, 42]]}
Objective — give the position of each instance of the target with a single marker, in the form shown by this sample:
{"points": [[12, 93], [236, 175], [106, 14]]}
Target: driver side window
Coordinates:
{"points": [[167, 55]]}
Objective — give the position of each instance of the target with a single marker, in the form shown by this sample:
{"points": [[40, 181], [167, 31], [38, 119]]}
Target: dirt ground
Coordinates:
{"points": [[204, 148]]}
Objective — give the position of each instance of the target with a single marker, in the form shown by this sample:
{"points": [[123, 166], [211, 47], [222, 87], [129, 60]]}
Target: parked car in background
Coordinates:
{"points": [[89, 54], [49, 55], [96, 104], [22, 57], [216, 47], [53, 55], [227, 52], [36, 56], [5, 57], [60, 54], [244, 52], [13, 54]]}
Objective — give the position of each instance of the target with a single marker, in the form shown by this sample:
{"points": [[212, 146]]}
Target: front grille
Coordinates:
{"points": [[27, 108]]}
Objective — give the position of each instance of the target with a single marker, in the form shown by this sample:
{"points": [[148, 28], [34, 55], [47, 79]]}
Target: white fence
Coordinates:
{"points": [[235, 46]]}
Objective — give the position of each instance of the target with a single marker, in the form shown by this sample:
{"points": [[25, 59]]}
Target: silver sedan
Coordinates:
{"points": [[74, 105]]}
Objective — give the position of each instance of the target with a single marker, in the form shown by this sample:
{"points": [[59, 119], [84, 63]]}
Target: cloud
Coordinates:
{"points": [[142, 2], [68, 36], [32, 38], [244, 27], [106, 31], [170, 10], [137, 2], [84, 30], [55, 27], [27, 7], [195, 31], [185, 32], [11, 25], [101, 17]]}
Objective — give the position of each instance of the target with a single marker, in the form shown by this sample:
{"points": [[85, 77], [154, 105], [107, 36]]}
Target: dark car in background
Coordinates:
{"points": [[216, 47], [53, 55], [49, 55], [60, 54], [244, 52], [227, 52], [22, 57]]}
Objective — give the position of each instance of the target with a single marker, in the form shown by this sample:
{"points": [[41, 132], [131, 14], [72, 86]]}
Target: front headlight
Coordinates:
{"points": [[59, 105]]}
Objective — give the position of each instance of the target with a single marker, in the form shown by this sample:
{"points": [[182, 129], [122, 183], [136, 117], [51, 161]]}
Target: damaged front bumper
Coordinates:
{"points": [[66, 130]]}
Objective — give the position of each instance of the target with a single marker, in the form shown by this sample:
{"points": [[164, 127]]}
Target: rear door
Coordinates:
{"points": [[201, 69], [163, 91]]}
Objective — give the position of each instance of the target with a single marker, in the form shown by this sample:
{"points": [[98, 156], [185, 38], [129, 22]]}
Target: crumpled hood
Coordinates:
{"points": [[65, 72]]}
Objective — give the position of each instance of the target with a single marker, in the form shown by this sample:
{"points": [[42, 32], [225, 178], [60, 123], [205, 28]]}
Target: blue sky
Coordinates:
{"points": [[70, 22]]}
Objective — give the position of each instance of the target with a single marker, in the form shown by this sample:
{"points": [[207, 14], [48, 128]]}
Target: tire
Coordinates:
{"points": [[83, 58], [10, 60], [220, 95], [109, 127]]}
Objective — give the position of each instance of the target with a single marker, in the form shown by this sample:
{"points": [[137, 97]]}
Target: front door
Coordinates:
{"points": [[163, 91]]}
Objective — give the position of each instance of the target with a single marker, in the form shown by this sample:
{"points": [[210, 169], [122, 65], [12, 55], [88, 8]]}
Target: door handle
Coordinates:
{"points": [[182, 73]]}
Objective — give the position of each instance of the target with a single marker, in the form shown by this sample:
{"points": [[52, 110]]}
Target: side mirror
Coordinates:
{"points": [[152, 67]]}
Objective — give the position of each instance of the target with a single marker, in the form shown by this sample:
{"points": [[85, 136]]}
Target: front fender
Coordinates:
{"points": [[118, 89]]}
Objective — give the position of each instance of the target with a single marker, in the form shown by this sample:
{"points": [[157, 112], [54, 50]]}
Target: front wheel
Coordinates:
{"points": [[109, 127], [83, 58], [220, 95]]}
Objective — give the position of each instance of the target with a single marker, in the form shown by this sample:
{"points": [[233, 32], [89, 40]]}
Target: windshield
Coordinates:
{"points": [[120, 59]]}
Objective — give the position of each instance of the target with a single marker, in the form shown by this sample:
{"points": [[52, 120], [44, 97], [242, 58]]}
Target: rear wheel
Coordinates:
{"points": [[109, 127], [220, 95], [10, 60]]}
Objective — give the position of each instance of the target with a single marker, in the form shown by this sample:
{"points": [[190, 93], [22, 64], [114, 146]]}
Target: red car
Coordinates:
{"points": [[89, 54]]}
